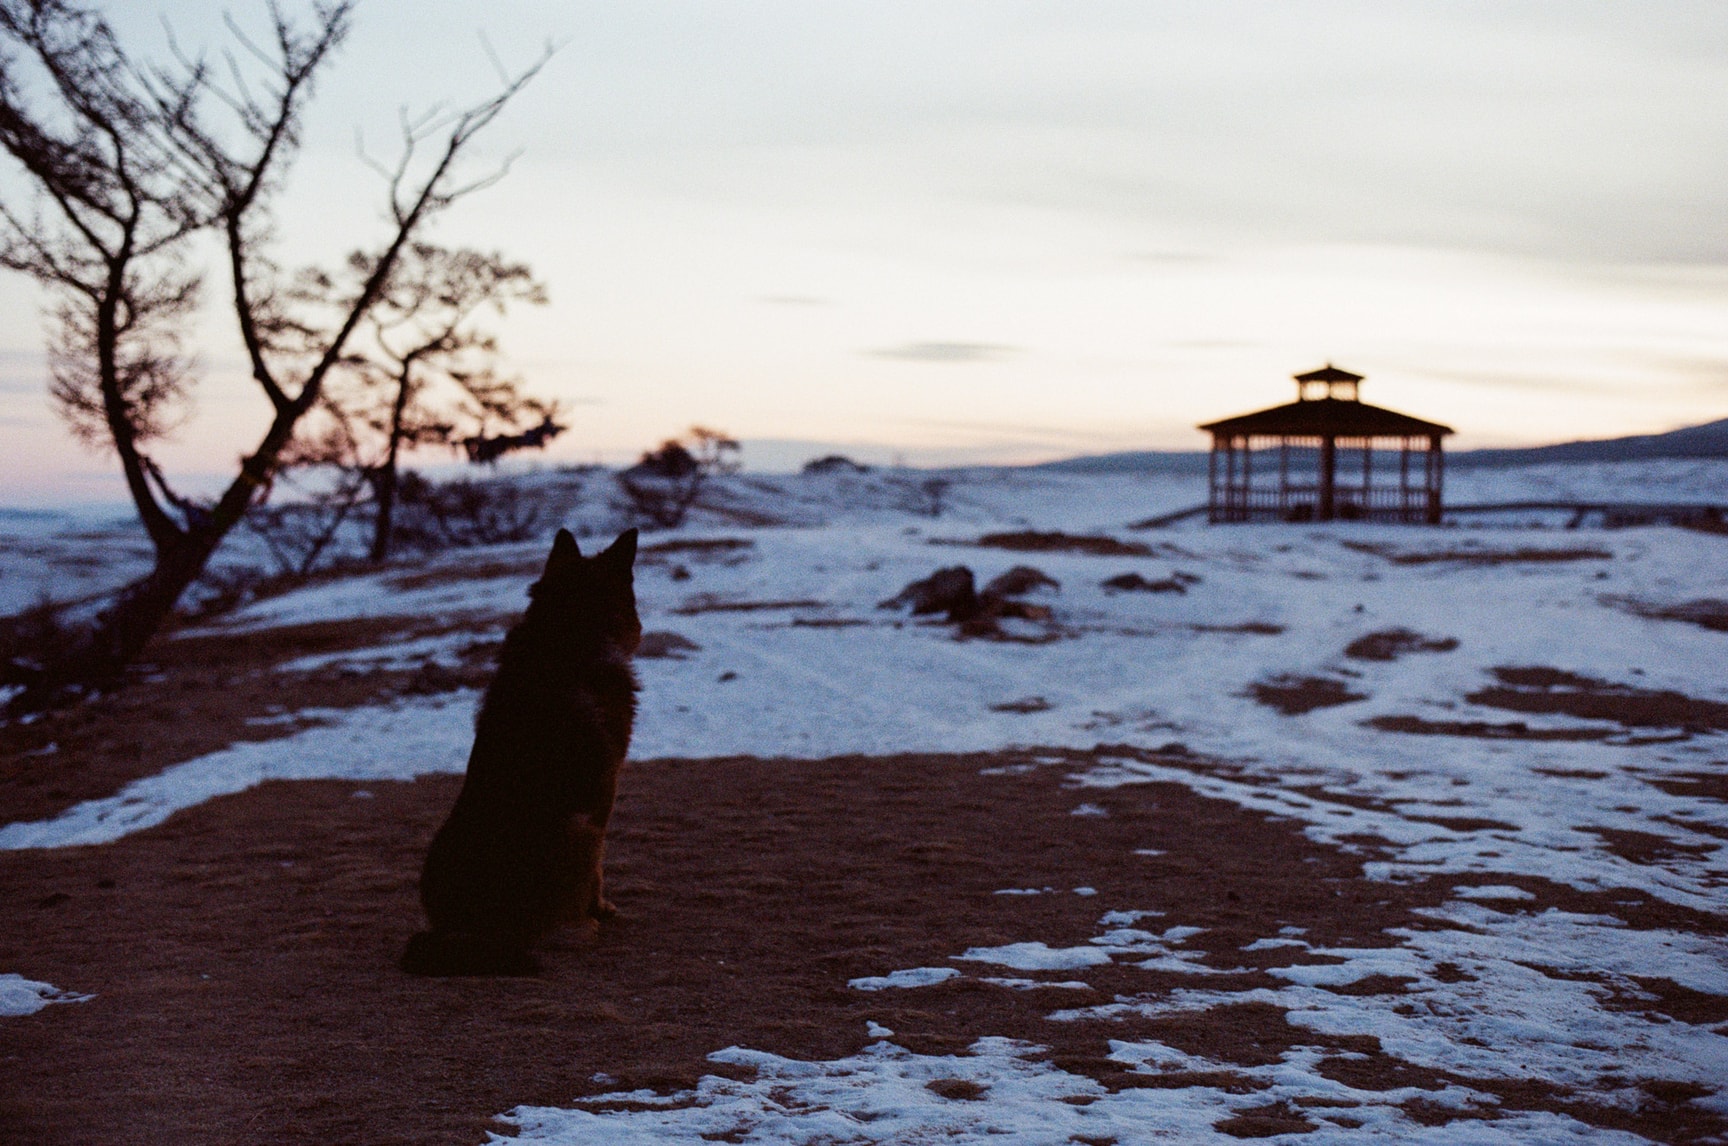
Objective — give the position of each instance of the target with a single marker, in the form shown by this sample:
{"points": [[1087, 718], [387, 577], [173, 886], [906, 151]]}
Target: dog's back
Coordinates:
{"points": [[523, 847]]}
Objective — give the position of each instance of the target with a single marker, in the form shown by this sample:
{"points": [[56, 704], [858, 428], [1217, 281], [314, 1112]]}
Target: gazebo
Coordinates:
{"points": [[1314, 459]]}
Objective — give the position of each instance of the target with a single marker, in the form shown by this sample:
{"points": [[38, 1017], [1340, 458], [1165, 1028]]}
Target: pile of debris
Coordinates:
{"points": [[978, 613]]}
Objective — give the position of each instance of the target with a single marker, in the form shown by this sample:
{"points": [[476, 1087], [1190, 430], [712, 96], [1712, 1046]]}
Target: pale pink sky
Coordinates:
{"points": [[1004, 231]]}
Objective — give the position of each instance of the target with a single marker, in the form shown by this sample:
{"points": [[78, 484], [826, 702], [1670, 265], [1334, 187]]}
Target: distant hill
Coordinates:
{"points": [[1132, 462], [1709, 440]]}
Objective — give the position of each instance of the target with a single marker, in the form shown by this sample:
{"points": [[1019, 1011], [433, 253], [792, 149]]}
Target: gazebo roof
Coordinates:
{"points": [[1328, 418]]}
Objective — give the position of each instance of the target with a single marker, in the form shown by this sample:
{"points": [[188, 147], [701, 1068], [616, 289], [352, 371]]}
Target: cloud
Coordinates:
{"points": [[1578, 131], [795, 300], [1609, 373], [944, 352], [1173, 257]]}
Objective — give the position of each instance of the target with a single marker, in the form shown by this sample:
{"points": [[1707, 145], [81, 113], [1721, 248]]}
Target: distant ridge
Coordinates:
{"points": [[1709, 440], [1132, 462]]}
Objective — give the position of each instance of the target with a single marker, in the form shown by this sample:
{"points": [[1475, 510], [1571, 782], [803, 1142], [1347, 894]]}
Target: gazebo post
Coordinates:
{"points": [[1230, 479], [1404, 478], [1283, 477], [1437, 458], [1212, 481], [1247, 477], [1367, 479], [1328, 471]]}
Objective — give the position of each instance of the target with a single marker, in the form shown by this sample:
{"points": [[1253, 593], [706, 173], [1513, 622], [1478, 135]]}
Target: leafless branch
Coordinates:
{"points": [[124, 164]]}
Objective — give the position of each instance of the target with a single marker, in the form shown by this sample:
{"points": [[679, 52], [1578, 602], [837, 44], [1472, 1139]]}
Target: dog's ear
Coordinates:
{"points": [[621, 553], [564, 551]]}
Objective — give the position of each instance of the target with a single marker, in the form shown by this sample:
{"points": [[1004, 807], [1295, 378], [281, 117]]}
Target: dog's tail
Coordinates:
{"points": [[461, 953]]}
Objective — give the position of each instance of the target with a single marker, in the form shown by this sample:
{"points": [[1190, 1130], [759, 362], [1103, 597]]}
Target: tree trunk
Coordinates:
{"points": [[384, 488], [123, 629], [384, 499], [138, 612]]}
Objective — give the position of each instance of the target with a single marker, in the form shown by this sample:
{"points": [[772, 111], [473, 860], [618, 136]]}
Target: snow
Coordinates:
{"points": [[1689, 481], [911, 977], [885, 1094], [814, 668], [21, 996], [67, 555], [1037, 957], [1562, 1031], [1492, 891], [407, 739], [446, 651]]}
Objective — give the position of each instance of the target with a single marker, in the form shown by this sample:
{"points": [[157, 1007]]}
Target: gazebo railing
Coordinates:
{"points": [[1301, 503]]}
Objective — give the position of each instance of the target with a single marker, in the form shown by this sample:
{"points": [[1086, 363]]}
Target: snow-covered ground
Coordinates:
{"points": [[67, 556], [1690, 481], [74, 554], [793, 657]]}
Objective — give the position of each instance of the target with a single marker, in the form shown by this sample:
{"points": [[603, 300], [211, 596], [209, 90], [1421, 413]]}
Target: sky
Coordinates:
{"points": [[948, 231]]}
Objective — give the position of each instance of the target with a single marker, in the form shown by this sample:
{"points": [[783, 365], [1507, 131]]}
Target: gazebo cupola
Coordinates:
{"points": [[1314, 459]]}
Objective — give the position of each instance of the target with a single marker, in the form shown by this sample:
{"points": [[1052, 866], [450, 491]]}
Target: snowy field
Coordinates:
{"points": [[1499, 709], [75, 554]]}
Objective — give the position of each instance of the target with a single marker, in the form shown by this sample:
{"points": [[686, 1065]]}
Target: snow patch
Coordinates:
{"points": [[1492, 891], [912, 977], [399, 742], [1037, 957], [885, 1094], [21, 996]]}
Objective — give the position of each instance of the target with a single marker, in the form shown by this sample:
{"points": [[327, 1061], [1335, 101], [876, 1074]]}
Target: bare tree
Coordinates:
{"points": [[105, 235], [325, 489], [665, 484], [426, 372], [469, 512], [126, 162]]}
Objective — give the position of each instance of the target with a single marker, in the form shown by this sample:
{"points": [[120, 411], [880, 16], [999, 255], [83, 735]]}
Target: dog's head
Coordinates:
{"points": [[594, 595]]}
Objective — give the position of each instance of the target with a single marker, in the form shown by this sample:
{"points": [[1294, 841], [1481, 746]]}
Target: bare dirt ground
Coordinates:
{"points": [[1295, 695], [242, 954], [196, 694]]}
